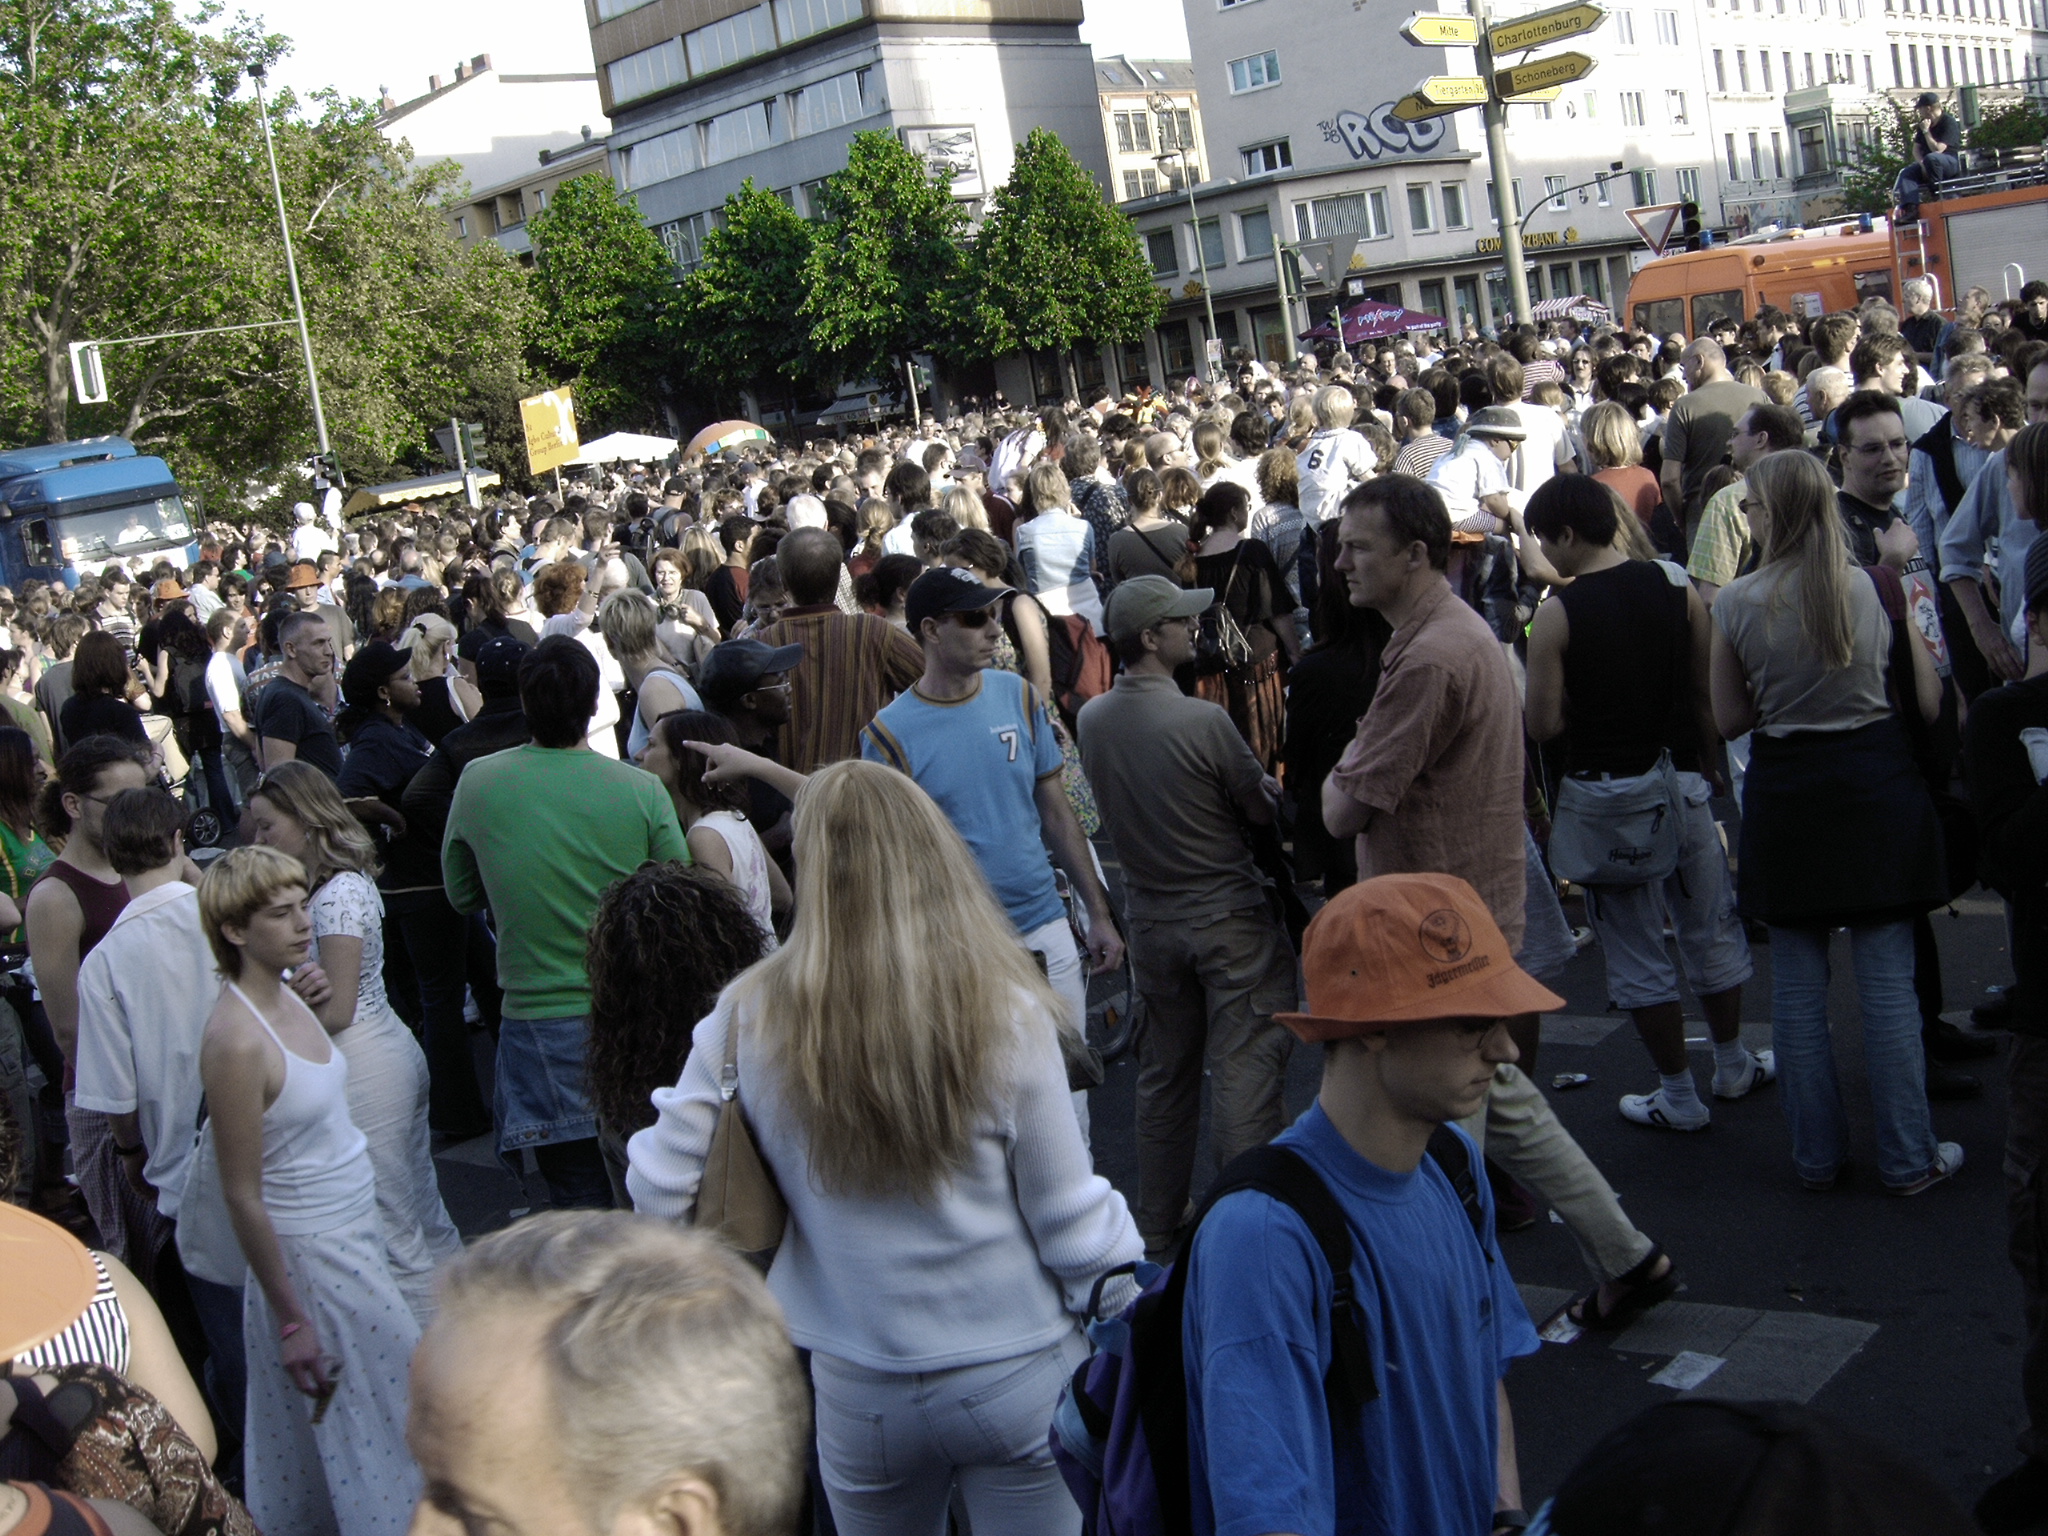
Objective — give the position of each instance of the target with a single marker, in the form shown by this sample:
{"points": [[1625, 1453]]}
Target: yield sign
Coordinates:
{"points": [[1655, 224]]}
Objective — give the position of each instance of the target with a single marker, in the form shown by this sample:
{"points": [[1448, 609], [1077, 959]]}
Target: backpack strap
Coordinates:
{"points": [[1453, 1154]]}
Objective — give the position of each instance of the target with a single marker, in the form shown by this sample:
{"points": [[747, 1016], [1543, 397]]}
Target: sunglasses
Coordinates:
{"points": [[975, 618]]}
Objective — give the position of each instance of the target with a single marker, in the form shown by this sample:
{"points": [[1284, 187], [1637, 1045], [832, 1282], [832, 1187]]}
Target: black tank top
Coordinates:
{"points": [[1627, 671]]}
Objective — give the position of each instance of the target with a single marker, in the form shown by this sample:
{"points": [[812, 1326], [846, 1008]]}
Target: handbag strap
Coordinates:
{"points": [[729, 1074]]}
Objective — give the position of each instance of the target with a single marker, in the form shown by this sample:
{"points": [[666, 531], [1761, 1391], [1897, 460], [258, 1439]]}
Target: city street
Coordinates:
{"points": [[1901, 1317]]}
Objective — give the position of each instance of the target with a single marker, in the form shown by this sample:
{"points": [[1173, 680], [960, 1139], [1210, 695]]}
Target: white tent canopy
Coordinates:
{"points": [[625, 445]]}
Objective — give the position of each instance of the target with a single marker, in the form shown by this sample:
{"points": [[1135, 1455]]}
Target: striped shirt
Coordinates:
{"points": [[853, 664], [1418, 455], [98, 1336]]}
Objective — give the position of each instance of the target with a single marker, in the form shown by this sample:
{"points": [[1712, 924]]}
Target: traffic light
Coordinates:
{"points": [[1689, 212], [473, 442], [326, 471]]}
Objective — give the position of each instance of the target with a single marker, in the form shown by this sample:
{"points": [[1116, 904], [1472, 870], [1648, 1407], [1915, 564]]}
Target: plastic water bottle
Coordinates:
{"points": [[1923, 602]]}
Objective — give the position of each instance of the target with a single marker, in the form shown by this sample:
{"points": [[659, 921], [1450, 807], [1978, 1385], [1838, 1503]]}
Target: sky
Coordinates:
{"points": [[365, 44]]}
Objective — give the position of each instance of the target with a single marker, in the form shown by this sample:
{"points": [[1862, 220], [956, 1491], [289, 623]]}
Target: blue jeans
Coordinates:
{"points": [[227, 1368], [1892, 1059], [1918, 179]]}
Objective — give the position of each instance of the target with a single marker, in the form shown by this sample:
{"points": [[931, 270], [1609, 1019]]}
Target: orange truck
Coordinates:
{"points": [[1985, 230]]}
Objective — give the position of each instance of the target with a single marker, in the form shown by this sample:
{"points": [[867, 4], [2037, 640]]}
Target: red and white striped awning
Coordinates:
{"points": [[1577, 307]]}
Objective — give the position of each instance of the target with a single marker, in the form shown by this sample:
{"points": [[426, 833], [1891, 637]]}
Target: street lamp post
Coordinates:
{"points": [[1162, 109], [291, 265]]}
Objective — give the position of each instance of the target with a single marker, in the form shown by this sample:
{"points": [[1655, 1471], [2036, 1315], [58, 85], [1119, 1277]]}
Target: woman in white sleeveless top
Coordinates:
{"points": [[298, 811], [327, 1334], [714, 816]]}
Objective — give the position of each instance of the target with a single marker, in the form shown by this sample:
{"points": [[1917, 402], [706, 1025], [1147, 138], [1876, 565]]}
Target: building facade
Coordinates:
{"points": [[706, 94], [499, 212], [1154, 145], [494, 126]]}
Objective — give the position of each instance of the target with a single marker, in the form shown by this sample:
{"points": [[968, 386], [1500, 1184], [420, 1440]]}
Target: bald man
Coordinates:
{"points": [[1697, 430]]}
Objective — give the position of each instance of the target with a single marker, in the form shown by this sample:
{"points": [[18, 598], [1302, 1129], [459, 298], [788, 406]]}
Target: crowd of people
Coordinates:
{"points": [[725, 841]]}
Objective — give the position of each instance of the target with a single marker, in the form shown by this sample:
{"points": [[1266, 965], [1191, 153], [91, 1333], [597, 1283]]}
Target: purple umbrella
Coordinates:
{"points": [[1370, 320]]}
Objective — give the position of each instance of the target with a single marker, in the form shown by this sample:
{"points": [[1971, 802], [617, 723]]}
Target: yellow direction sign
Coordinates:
{"points": [[1551, 26], [1453, 90], [1431, 31], [1535, 96], [550, 422], [1560, 69], [1413, 109]]}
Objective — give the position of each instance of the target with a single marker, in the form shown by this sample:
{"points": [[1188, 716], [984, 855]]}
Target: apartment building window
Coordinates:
{"points": [[1600, 190], [1763, 57], [1632, 108], [662, 158], [1913, 59], [727, 42], [1140, 184], [1455, 216], [1163, 252], [1210, 233], [1493, 198], [1262, 158], [649, 70], [1734, 165], [1553, 192], [1777, 154], [683, 239], [1898, 76], [1809, 69], [1133, 132], [1363, 214], [1625, 28], [1667, 28], [607, 9], [1948, 63], [1254, 72], [540, 199], [1674, 108], [1742, 69], [1255, 232], [1720, 73], [742, 131], [1177, 128], [462, 226], [1869, 74], [1813, 150], [839, 99], [798, 19], [1688, 184], [1756, 157], [1642, 188]]}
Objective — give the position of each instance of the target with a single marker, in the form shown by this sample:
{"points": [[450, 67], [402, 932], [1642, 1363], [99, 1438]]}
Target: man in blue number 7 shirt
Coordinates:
{"points": [[1410, 985]]}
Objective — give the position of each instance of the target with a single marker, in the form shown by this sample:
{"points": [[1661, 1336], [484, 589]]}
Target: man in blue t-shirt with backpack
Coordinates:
{"points": [[1410, 985]]}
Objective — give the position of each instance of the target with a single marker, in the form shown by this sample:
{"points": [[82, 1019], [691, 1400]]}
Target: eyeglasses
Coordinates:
{"points": [[974, 618]]}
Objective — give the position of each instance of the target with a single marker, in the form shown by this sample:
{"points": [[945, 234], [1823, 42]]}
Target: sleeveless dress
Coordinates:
{"points": [[749, 868], [636, 737], [350, 1474], [387, 1097]]}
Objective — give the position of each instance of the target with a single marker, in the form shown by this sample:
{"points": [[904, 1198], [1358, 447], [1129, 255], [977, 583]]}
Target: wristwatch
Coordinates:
{"points": [[138, 1150]]}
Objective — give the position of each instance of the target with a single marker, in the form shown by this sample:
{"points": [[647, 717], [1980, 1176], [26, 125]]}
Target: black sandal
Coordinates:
{"points": [[1639, 1293]]}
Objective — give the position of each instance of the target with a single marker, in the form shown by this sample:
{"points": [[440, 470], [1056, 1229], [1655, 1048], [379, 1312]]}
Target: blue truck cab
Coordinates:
{"points": [[67, 509]]}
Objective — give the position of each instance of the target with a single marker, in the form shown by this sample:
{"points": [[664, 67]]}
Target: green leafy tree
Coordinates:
{"points": [[135, 199], [603, 287], [886, 272], [737, 315], [1867, 181], [2011, 125], [1055, 264]]}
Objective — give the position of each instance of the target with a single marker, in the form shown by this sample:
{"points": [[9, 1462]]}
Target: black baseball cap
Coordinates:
{"points": [[946, 589], [370, 669], [1927, 99], [497, 665], [737, 667]]}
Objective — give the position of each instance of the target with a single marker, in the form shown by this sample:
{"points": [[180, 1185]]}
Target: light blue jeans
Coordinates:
{"points": [[892, 1447], [1882, 954]]}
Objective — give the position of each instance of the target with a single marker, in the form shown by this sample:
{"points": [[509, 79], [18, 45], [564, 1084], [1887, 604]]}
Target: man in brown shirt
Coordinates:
{"points": [[1432, 783], [853, 663]]}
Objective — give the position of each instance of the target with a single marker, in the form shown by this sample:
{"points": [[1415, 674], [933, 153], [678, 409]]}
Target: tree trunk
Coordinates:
{"points": [[1073, 378]]}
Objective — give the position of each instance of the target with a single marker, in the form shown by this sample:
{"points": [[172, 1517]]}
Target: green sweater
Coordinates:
{"points": [[538, 834]]}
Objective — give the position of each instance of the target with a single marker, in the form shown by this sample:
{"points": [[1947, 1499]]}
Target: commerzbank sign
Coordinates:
{"points": [[1534, 240]]}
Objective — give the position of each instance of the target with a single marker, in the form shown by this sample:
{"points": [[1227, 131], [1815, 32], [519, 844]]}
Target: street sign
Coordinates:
{"points": [[1655, 223], [1413, 109], [1533, 96], [550, 423], [1431, 31], [88, 379], [1551, 26], [1453, 90], [1541, 74], [1327, 260]]}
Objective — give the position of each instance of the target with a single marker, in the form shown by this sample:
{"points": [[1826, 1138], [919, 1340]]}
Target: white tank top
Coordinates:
{"points": [[749, 867], [316, 1164]]}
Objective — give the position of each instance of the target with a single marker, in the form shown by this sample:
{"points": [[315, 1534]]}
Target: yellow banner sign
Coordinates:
{"points": [[1431, 31], [1534, 240], [1560, 70], [550, 423], [1544, 27]]}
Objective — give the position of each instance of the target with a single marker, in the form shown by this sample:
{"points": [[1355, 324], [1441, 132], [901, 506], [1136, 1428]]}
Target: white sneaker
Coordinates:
{"points": [[1758, 1068], [1948, 1162], [1656, 1109]]}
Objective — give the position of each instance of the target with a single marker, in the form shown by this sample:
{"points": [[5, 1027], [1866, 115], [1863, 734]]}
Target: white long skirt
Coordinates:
{"points": [[387, 1100], [350, 1474]]}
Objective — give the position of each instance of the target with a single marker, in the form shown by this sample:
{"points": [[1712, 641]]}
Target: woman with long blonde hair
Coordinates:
{"points": [[298, 811], [1838, 829], [900, 1063]]}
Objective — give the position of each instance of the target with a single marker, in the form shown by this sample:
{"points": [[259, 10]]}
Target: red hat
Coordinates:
{"points": [[1404, 949]]}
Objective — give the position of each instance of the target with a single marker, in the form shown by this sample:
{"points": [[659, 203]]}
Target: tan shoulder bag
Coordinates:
{"points": [[738, 1199]]}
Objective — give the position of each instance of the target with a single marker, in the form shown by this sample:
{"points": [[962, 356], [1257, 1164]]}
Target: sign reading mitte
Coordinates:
{"points": [[1433, 31]]}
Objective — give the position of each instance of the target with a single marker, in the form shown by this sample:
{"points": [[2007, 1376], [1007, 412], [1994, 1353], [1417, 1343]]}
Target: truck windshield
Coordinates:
{"points": [[157, 523]]}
